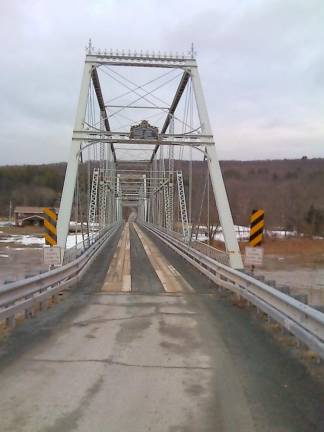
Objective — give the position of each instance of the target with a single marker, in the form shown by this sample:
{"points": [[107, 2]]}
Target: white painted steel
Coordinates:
{"points": [[73, 163], [93, 199], [223, 208], [139, 60], [203, 142], [145, 197], [183, 207], [304, 322]]}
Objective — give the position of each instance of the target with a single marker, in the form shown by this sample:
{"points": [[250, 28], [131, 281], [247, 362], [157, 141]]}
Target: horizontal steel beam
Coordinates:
{"points": [[87, 134], [137, 106], [140, 60], [175, 140], [192, 143]]}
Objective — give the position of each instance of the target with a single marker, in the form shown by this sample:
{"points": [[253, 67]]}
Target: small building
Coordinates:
{"points": [[28, 215]]}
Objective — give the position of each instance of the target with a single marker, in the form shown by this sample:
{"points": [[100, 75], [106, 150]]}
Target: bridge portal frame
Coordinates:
{"points": [[189, 65]]}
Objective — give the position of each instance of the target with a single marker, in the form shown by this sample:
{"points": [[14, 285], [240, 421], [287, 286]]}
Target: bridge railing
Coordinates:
{"points": [[301, 320], [210, 251], [23, 295], [80, 247], [214, 253]]}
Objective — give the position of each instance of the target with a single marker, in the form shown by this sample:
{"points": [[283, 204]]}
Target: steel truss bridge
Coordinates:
{"points": [[155, 187], [141, 120]]}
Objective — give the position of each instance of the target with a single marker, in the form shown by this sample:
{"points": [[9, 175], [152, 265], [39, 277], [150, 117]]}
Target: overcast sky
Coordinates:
{"points": [[261, 64]]}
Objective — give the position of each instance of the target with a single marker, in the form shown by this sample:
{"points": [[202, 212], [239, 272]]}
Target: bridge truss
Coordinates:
{"points": [[121, 160]]}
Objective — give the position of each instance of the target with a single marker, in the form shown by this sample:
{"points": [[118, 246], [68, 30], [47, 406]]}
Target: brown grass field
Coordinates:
{"points": [[286, 246]]}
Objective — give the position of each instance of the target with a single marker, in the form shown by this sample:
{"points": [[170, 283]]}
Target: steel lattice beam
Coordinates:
{"points": [[97, 87], [181, 87]]}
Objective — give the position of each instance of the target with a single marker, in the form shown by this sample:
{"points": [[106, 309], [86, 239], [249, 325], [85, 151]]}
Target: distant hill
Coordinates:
{"points": [[290, 191]]}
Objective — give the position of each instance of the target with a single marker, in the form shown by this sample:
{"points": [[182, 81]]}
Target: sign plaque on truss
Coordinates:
{"points": [[144, 131]]}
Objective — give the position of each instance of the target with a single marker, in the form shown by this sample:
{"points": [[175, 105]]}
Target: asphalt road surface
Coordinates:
{"points": [[158, 350]]}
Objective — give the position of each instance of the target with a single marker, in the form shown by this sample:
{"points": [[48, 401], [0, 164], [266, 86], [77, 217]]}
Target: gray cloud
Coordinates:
{"points": [[261, 64]]}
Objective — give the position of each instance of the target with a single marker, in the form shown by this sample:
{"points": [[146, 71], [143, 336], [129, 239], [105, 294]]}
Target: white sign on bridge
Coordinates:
{"points": [[253, 256], [52, 255]]}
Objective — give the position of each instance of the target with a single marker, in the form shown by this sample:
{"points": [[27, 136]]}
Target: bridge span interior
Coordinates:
{"points": [[148, 329], [146, 342]]}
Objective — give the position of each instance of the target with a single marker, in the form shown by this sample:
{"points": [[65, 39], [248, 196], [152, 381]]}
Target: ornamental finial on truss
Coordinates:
{"points": [[192, 51], [89, 48]]}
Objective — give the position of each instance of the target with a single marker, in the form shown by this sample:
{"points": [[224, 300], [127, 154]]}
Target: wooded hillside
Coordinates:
{"points": [[290, 191]]}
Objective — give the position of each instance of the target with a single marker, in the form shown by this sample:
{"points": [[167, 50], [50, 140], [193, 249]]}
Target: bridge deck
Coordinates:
{"points": [[159, 350]]}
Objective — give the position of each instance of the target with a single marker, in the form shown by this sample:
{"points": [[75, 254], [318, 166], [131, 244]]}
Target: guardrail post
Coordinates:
{"points": [[11, 321], [29, 313], [55, 298]]}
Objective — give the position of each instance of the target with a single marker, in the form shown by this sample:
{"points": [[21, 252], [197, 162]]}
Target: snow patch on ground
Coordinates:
{"points": [[25, 240], [28, 240], [5, 223], [72, 239], [242, 233]]}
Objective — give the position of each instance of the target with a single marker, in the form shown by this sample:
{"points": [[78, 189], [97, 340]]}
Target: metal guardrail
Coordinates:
{"points": [[79, 248], [216, 254], [22, 295], [210, 251], [304, 322]]}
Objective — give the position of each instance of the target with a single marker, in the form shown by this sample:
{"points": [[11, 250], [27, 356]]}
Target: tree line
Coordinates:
{"points": [[290, 191]]}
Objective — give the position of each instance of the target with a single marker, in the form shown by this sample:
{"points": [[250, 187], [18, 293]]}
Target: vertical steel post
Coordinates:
{"points": [[118, 192], [221, 199], [145, 198], [63, 221]]}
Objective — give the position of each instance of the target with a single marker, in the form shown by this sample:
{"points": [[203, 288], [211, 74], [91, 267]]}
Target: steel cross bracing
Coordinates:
{"points": [[103, 192], [93, 198], [103, 181], [151, 189], [183, 207], [167, 208]]}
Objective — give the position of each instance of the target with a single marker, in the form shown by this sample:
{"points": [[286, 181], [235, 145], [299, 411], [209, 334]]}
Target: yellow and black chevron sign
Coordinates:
{"points": [[50, 226], [256, 227]]}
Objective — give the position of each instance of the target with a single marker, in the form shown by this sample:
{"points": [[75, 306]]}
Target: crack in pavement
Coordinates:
{"points": [[111, 362], [151, 315]]}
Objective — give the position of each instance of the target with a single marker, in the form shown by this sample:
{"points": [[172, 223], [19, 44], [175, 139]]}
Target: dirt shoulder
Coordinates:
{"points": [[24, 230], [285, 246]]}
